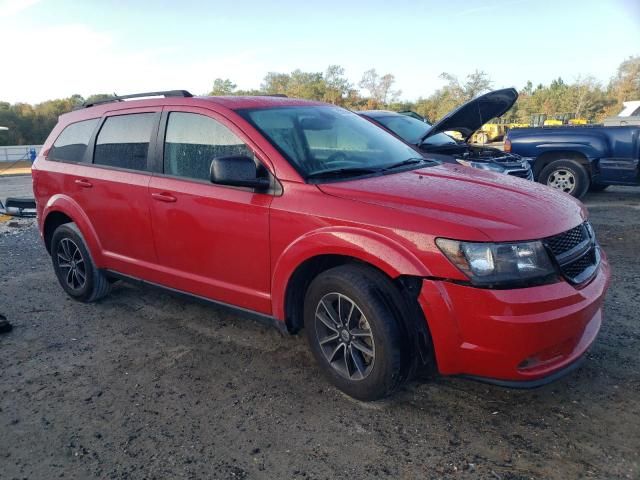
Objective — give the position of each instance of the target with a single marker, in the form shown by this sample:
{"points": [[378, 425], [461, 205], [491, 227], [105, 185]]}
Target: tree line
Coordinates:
{"points": [[582, 98]]}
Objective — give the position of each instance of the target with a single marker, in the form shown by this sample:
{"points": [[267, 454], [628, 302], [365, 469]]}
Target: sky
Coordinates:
{"points": [[55, 48]]}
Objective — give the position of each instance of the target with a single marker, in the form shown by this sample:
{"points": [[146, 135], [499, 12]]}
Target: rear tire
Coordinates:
{"points": [[354, 332], [74, 267], [566, 175]]}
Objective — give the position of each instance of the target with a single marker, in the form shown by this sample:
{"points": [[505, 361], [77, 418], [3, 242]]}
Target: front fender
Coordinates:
{"points": [[370, 247], [65, 204]]}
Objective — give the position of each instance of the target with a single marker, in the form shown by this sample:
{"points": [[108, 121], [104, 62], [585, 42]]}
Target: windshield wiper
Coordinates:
{"points": [[408, 161], [346, 171]]}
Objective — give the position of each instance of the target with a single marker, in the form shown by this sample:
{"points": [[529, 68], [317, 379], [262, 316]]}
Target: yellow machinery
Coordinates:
{"points": [[542, 119], [495, 130]]}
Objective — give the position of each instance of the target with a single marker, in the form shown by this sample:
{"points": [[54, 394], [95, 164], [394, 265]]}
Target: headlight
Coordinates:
{"points": [[500, 265], [481, 165]]}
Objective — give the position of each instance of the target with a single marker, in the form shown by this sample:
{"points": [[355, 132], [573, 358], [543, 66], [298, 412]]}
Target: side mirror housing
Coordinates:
{"points": [[238, 171]]}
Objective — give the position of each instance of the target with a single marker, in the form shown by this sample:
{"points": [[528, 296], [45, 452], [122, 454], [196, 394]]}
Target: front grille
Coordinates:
{"points": [[576, 253], [574, 269], [559, 244]]}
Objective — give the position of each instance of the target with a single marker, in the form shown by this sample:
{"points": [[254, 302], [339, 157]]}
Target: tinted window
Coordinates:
{"points": [[73, 141], [193, 140], [123, 141]]}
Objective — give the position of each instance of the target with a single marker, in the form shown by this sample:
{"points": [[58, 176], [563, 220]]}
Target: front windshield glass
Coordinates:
{"points": [[412, 130], [318, 139]]}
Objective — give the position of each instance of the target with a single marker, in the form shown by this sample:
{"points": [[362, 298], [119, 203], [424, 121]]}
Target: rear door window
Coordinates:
{"points": [[192, 141], [72, 143], [123, 141]]}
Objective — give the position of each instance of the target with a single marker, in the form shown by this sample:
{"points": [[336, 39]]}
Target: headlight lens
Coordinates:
{"points": [[481, 165], [500, 265]]}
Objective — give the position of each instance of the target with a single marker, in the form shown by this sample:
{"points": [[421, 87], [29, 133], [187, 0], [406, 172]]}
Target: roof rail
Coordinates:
{"points": [[120, 98], [282, 95]]}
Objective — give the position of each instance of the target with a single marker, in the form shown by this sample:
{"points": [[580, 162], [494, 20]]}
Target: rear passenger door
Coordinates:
{"points": [[211, 240], [113, 189]]}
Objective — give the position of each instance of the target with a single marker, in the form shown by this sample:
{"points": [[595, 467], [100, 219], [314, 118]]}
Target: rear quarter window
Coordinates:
{"points": [[123, 141], [72, 143]]}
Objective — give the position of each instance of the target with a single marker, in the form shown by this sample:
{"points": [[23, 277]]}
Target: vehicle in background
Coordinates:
{"points": [[575, 159], [630, 115], [432, 139], [311, 217]]}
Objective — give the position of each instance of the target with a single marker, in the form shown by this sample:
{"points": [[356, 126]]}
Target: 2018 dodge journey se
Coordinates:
{"points": [[313, 218]]}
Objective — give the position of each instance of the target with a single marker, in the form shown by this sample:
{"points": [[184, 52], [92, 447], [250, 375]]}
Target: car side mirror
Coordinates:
{"points": [[238, 171]]}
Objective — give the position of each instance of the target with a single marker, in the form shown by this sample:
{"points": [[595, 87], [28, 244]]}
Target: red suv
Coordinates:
{"points": [[312, 217]]}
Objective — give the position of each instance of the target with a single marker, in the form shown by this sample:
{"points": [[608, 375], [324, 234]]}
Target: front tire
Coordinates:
{"points": [[74, 267], [566, 175], [354, 333]]}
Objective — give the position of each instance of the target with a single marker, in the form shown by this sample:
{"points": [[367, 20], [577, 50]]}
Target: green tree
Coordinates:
{"points": [[275, 83], [223, 87], [336, 85], [625, 85]]}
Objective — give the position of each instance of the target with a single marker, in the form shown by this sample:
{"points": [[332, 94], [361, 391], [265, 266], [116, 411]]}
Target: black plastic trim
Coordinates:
{"points": [[260, 317], [120, 98]]}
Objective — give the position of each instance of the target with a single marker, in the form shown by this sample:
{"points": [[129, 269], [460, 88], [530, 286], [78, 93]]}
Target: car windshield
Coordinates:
{"points": [[412, 130], [320, 140]]}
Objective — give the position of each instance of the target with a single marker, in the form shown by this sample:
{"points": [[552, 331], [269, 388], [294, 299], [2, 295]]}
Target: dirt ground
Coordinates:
{"points": [[148, 385]]}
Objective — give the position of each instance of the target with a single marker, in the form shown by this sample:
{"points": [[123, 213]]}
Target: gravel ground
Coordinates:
{"points": [[148, 385]]}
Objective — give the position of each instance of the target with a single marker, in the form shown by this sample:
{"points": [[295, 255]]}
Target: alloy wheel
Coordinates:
{"points": [[71, 264], [344, 336]]}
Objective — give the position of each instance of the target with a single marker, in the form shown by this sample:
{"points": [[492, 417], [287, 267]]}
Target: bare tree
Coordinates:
{"points": [[379, 88]]}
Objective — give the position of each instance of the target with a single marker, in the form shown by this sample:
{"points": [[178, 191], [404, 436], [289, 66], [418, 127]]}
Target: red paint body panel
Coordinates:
{"points": [[213, 241], [240, 247], [488, 333]]}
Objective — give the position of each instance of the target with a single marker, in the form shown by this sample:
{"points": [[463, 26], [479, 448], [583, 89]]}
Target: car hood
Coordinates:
{"points": [[470, 116], [467, 204]]}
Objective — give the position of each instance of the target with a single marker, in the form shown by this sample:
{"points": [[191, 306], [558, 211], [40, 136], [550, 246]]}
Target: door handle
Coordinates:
{"points": [[83, 183], [163, 197]]}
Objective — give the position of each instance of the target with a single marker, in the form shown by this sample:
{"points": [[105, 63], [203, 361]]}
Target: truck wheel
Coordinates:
{"points": [[74, 267], [566, 175], [354, 333]]}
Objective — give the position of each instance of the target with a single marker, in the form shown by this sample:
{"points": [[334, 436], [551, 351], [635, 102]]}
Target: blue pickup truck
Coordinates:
{"points": [[581, 158]]}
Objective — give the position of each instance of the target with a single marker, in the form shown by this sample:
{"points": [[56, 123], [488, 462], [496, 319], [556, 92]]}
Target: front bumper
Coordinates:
{"points": [[519, 335]]}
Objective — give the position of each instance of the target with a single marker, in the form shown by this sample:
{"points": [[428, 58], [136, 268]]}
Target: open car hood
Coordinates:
{"points": [[470, 116]]}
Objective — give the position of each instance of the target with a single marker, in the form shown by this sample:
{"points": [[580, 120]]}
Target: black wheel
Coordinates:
{"points": [[74, 267], [566, 175], [598, 187], [354, 332]]}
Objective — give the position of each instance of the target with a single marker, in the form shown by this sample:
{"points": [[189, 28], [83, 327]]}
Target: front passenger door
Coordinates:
{"points": [[211, 240]]}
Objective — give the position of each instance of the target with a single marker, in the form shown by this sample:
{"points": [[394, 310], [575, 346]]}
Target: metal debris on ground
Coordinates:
{"points": [[18, 207]]}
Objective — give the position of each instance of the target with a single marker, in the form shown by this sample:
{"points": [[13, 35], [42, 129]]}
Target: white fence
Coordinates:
{"points": [[15, 153]]}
